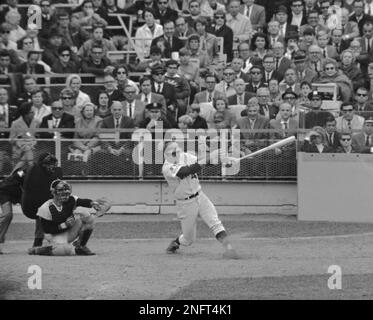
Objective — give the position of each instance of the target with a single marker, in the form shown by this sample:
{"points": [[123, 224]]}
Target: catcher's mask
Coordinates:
{"points": [[61, 190], [172, 152]]}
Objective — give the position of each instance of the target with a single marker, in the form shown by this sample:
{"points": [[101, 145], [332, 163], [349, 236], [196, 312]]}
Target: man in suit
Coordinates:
{"points": [[359, 16], [182, 30], [282, 17], [237, 64], [303, 73], [327, 50], [226, 85], [337, 42], [256, 81], [290, 81], [269, 65], [133, 108], [31, 66], [363, 107], [350, 28], [313, 22], [241, 97], [210, 93], [310, 5], [57, 119], [274, 33], [286, 124], [147, 96], [297, 16], [348, 120], [332, 136], [8, 113], [173, 43], [266, 110], [363, 141], [314, 60], [164, 13], [366, 42], [281, 63], [6, 68], [244, 53], [255, 13]]}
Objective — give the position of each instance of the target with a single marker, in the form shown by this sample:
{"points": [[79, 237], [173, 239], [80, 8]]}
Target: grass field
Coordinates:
{"points": [[281, 258]]}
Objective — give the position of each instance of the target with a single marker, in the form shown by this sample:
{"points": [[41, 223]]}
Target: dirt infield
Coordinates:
{"points": [[281, 259]]}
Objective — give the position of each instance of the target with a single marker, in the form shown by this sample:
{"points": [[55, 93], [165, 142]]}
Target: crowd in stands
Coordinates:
{"points": [[194, 64]]}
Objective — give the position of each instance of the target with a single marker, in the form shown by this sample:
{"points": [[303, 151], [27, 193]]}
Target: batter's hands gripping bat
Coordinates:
{"points": [[273, 146], [101, 206]]}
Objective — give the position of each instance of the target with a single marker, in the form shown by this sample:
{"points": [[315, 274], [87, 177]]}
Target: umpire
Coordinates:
{"points": [[36, 190]]}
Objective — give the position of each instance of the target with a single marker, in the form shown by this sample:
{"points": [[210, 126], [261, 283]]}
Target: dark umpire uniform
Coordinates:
{"points": [[36, 190]]}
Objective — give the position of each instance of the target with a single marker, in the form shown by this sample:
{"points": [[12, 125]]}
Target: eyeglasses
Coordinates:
{"points": [[97, 52], [255, 72], [362, 95], [210, 82], [128, 92], [347, 110], [324, 7], [297, 5], [196, 6], [66, 98], [345, 139], [28, 42], [219, 17], [289, 98], [121, 72], [268, 62], [367, 31], [57, 108], [331, 68], [45, 5], [5, 31], [162, 2], [172, 67], [228, 74], [314, 52], [65, 55], [315, 99], [180, 24]]}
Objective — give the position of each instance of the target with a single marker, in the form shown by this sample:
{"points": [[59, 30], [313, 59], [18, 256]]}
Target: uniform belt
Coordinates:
{"points": [[192, 196]]}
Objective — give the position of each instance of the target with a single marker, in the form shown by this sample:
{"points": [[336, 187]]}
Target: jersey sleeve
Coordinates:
{"points": [[170, 170], [44, 212]]}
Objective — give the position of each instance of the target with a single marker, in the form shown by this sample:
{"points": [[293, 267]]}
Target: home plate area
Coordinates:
{"points": [[280, 258]]}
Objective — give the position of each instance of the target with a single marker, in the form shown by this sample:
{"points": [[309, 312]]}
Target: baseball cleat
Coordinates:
{"points": [[172, 247], [83, 251], [42, 251], [230, 254]]}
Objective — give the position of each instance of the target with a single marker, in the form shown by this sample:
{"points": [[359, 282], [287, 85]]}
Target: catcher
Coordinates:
{"points": [[67, 233]]}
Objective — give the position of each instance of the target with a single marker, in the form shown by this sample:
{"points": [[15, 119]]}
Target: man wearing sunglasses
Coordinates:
{"points": [[164, 13], [363, 141], [362, 105], [346, 144], [315, 117]]}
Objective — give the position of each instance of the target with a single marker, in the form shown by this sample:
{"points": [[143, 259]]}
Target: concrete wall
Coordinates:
{"points": [[153, 197]]}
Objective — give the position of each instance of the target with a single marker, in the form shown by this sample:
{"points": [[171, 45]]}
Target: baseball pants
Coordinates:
{"points": [[188, 211]]}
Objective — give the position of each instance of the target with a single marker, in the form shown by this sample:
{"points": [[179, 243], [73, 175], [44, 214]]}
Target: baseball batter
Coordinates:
{"points": [[180, 170]]}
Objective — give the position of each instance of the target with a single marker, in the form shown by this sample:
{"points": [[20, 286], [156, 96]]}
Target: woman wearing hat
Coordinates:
{"points": [[351, 69], [314, 142], [146, 33]]}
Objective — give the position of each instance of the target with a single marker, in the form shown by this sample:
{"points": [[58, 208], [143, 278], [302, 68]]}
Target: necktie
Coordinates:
{"points": [[285, 125], [330, 139], [315, 66], [240, 100], [324, 53], [117, 123], [170, 42], [55, 123], [255, 88], [349, 124], [277, 63], [368, 45], [267, 78], [130, 110], [210, 97], [146, 99], [367, 142]]}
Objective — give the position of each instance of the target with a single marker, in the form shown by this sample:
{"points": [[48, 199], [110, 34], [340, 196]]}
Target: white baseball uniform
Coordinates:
{"points": [[190, 200]]}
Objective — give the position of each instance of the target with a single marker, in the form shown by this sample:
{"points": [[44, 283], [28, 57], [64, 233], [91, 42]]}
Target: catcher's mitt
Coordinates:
{"points": [[101, 206]]}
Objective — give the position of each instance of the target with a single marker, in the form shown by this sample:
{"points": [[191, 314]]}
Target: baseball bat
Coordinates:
{"points": [[275, 145]]}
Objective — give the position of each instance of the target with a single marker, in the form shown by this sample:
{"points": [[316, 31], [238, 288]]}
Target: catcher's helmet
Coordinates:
{"points": [[61, 190]]}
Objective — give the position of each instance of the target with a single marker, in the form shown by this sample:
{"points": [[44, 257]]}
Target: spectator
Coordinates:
{"points": [[133, 108], [250, 122], [116, 35], [180, 84], [163, 88], [285, 125], [363, 106], [6, 68], [189, 70], [350, 28], [297, 112], [7, 44], [291, 43], [164, 13], [23, 141], [315, 117], [346, 145], [256, 82], [13, 18], [274, 93], [211, 7], [297, 16], [290, 81], [96, 63], [97, 39], [29, 85], [362, 142], [208, 42], [221, 105], [86, 17], [48, 19], [282, 63], [210, 93], [39, 109], [337, 42], [303, 71], [281, 15], [198, 56], [155, 116], [240, 24], [172, 43], [273, 35], [65, 62], [197, 121], [358, 15], [241, 97], [194, 13], [73, 36], [332, 136], [237, 64], [32, 31], [314, 142], [140, 6], [327, 51], [185, 122], [120, 74], [50, 54], [88, 142], [331, 74], [103, 109], [269, 65], [349, 121], [265, 109], [74, 82], [57, 119], [305, 90], [68, 102], [25, 45], [32, 66], [8, 113], [349, 67], [147, 96], [259, 45], [155, 60], [256, 13], [221, 30], [111, 89], [314, 60], [182, 29], [308, 39], [145, 34], [226, 85], [245, 54]]}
